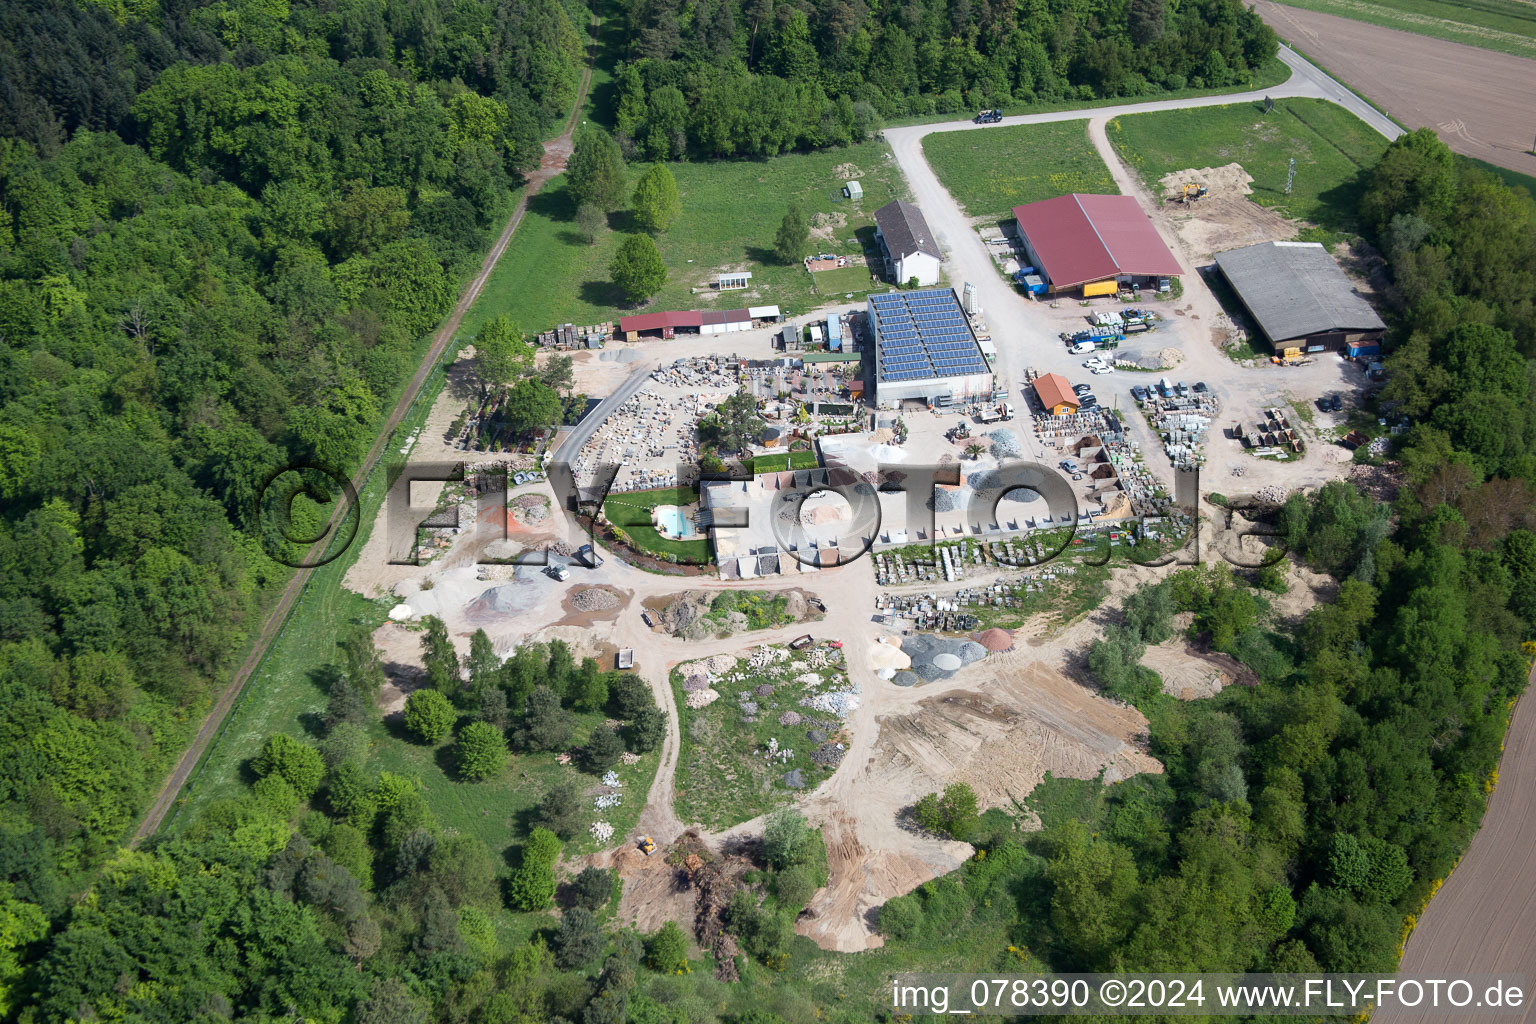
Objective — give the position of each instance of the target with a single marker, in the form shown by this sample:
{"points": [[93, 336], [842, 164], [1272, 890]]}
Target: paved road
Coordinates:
{"points": [[1306, 80], [555, 154], [1482, 919], [567, 449]]}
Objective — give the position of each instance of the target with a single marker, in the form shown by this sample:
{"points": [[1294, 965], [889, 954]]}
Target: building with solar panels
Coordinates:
{"points": [[925, 349]]}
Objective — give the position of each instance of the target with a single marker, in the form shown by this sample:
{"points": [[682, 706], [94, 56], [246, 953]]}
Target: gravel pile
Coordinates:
{"points": [[944, 501], [695, 684], [594, 599], [829, 754], [906, 677], [1006, 444], [764, 690], [794, 779], [790, 718], [937, 657]]}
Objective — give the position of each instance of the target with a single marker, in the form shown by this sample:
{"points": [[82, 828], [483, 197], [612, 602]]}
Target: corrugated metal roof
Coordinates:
{"points": [[1294, 289], [1082, 238], [905, 231]]}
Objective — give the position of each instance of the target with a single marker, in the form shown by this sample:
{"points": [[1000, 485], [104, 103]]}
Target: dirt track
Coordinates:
{"points": [[1478, 101], [1483, 919]]}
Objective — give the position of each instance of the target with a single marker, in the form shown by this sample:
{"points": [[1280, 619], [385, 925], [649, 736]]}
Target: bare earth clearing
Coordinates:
{"points": [[1478, 101]]}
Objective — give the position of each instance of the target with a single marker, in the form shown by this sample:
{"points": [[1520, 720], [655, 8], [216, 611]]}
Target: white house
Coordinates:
{"points": [[910, 250]]}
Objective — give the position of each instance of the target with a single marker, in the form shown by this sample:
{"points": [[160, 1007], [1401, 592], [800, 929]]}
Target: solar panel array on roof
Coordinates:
{"points": [[924, 334]]}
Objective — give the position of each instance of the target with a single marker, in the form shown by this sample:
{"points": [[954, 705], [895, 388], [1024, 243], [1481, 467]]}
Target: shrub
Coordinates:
{"points": [[593, 888], [429, 715], [533, 883], [560, 811], [481, 751], [298, 764], [602, 750], [900, 917], [666, 949], [577, 941], [795, 885], [785, 837]]}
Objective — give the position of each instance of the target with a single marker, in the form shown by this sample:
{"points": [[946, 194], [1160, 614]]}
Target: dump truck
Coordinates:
{"points": [[988, 414], [589, 556]]}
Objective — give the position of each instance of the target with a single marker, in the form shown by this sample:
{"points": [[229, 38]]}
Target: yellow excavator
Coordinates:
{"points": [[1191, 191]]}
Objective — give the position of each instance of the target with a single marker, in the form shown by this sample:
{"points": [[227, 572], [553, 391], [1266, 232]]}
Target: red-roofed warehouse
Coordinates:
{"points": [[1096, 243]]}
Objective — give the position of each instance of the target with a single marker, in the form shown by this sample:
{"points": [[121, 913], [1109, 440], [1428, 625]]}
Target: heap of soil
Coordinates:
{"points": [[995, 640]]}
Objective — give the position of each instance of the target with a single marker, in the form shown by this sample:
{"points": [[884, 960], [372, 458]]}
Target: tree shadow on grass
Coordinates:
{"points": [[553, 204], [623, 222], [447, 760], [604, 294], [759, 254]]}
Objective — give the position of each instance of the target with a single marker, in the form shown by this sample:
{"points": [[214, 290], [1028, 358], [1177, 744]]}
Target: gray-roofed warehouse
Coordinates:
{"points": [[1299, 298]]}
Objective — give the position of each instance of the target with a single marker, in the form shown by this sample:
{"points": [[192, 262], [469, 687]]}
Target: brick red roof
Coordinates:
{"points": [[1082, 238], [1054, 390], [657, 321]]}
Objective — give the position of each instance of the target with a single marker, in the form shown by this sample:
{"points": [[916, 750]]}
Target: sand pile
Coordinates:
{"points": [[888, 656], [995, 639]]}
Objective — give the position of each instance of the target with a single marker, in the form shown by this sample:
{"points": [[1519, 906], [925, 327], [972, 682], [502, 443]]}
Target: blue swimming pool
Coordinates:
{"points": [[673, 521]]}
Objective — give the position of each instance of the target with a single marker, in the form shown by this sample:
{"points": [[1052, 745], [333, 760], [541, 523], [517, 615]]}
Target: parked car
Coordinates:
{"points": [[1335, 403], [1089, 402], [1140, 393], [1081, 389], [1091, 363], [1200, 387], [1103, 369], [1070, 465], [1181, 389], [989, 117], [1083, 346]]}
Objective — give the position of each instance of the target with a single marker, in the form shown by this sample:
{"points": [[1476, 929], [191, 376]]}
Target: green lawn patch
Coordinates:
{"points": [[781, 461], [989, 172], [731, 210], [733, 761], [1333, 149], [630, 515], [855, 279], [1508, 26]]}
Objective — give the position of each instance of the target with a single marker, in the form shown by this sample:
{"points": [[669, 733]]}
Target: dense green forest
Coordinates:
{"points": [[225, 229], [751, 77]]}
